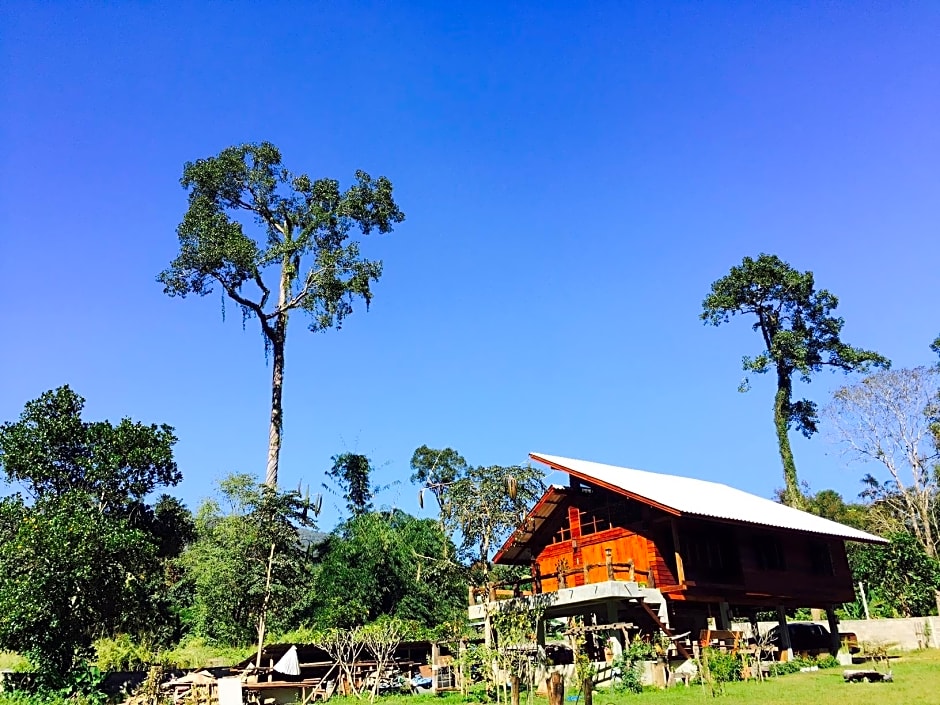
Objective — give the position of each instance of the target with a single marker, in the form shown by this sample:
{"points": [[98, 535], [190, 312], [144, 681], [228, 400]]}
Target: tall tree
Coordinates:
{"points": [[352, 474], [82, 557], [800, 336], [303, 245]]}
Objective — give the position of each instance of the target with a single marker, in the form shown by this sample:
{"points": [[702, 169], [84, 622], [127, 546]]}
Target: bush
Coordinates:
{"points": [[785, 667], [629, 678], [723, 667], [122, 653]]}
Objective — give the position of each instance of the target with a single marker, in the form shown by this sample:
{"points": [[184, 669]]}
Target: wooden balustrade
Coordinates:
{"points": [[533, 585]]}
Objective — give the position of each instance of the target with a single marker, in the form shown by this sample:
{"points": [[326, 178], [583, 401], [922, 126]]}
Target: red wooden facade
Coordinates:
{"points": [[567, 537]]}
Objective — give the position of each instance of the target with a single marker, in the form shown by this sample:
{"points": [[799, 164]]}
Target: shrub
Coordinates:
{"points": [[723, 667]]}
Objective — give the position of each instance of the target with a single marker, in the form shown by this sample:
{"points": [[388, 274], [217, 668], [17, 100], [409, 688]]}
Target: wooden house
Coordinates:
{"points": [[621, 542]]}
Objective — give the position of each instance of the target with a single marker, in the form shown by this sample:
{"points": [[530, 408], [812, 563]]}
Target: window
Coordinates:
{"points": [[710, 554], [768, 553], [820, 559], [592, 523]]}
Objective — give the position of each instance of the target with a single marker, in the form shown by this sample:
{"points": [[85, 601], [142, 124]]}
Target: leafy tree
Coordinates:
{"points": [[225, 568], [304, 237], [900, 575], [436, 470], [829, 504], [82, 558], [51, 451], [385, 564], [352, 474], [800, 335], [482, 504], [885, 419]]}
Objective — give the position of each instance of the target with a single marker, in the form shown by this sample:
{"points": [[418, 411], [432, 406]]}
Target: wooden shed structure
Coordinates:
{"points": [[622, 544]]}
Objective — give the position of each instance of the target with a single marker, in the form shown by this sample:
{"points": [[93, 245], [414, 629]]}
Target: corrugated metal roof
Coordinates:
{"points": [[689, 496], [516, 549]]}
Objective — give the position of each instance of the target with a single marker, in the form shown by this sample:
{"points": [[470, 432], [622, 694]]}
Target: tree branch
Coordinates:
{"points": [[254, 306]]}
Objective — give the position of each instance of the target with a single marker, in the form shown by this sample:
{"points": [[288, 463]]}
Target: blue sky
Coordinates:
{"points": [[574, 178]]}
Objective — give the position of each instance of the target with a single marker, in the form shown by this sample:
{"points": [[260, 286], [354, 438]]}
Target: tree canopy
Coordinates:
{"points": [[83, 557], [481, 504], [225, 568], [800, 336], [385, 563], [303, 240], [352, 474]]}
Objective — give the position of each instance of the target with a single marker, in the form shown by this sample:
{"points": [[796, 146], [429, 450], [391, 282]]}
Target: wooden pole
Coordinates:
{"points": [[556, 689], [609, 559]]}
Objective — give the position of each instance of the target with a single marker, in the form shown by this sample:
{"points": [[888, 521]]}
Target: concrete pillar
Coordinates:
{"points": [[835, 643], [540, 632], [612, 613], [785, 645]]}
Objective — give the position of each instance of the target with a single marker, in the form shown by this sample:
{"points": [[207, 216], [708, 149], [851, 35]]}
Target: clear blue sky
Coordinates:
{"points": [[574, 175]]}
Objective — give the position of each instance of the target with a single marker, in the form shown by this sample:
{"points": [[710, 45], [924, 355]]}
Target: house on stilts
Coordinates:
{"points": [[672, 554]]}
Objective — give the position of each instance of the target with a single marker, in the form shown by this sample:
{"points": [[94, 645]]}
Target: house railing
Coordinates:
{"points": [[561, 579]]}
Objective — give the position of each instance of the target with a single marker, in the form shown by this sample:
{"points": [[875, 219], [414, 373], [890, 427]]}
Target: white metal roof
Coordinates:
{"points": [[689, 496]]}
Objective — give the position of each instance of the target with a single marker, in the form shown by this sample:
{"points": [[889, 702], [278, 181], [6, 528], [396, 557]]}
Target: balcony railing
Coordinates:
{"points": [[561, 579]]}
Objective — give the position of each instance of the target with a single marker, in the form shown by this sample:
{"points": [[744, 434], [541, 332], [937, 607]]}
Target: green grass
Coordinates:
{"points": [[917, 682]]}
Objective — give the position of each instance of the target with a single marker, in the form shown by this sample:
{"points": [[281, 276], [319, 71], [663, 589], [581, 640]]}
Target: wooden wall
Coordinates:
{"points": [[769, 565]]}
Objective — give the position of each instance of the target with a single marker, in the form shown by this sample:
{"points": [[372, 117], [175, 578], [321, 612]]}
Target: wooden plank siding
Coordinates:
{"points": [[722, 561]]}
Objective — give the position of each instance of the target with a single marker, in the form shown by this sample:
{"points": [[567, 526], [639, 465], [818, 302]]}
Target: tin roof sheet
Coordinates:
{"points": [[690, 496]]}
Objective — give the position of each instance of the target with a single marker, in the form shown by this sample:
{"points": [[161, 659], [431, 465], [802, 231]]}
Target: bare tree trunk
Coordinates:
{"points": [[277, 341], [792, 496], [277, 414]]}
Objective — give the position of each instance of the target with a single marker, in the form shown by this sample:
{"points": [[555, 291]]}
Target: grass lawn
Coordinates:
{"points": [[917, 682]]}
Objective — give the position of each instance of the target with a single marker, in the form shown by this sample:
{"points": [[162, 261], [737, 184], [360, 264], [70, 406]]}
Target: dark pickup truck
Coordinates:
{"points": [[811, 638]]}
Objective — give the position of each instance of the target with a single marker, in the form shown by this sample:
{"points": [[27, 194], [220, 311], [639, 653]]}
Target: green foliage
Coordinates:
{"points": [[631, 673], [123, 653], [437, 469], [352, 473], [900, 576], [782, 668], [51, 451], [303, 234], [481, 503], [628, 664], [86, 556], [385, 563], [799, 334], [724, 667], [224, 569], [829, 504]]}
